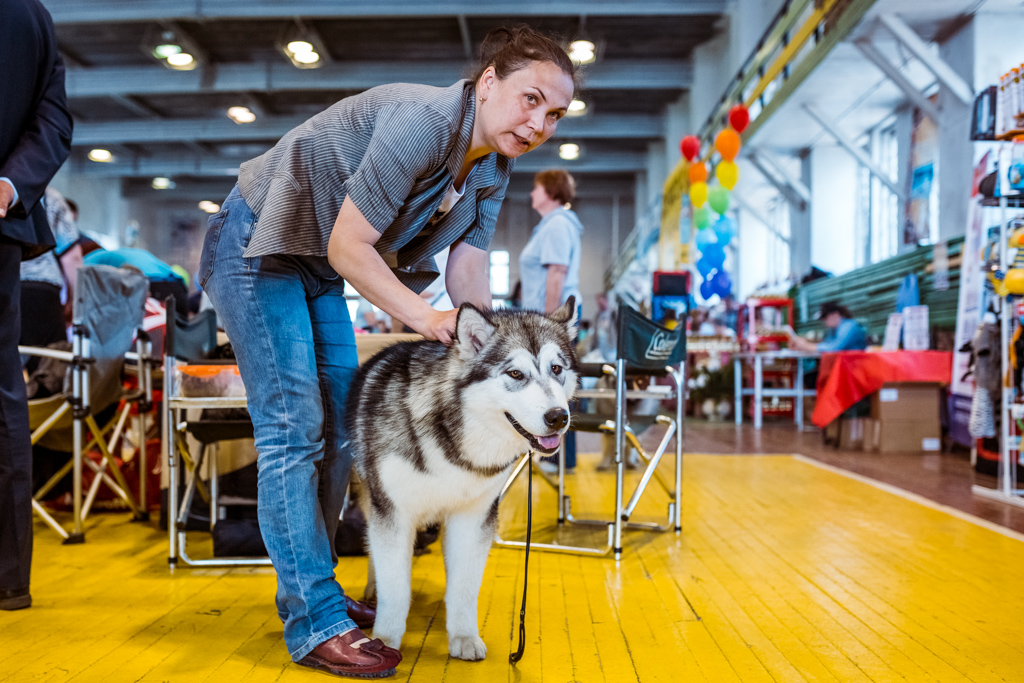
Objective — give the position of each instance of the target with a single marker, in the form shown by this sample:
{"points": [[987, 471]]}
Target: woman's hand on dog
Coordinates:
{"points": [[438, 325]]}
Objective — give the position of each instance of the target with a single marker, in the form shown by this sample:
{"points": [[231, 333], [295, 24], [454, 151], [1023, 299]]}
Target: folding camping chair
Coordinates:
{"points": [[645, 349], [193, 380], [108, 311]]}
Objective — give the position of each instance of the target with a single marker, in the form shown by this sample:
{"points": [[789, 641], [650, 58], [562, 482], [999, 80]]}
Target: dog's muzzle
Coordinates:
{"points": [[544, 444]]}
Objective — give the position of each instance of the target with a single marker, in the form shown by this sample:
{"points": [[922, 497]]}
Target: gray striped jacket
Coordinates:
{"points": [[395, 150]]}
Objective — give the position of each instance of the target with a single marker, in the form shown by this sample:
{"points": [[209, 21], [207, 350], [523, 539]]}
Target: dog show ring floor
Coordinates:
{"points": [[786, 570]]}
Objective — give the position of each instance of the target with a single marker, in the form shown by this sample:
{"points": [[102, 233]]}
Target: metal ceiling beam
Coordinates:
{"points": [[855, 151], [115, 11], [198, 165], [743, 204], [894, 74], [282, 76], [222, 129], [913, 42], [794, 191]]}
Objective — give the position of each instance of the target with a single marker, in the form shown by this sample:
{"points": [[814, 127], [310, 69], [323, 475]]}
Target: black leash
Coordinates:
{"points": [[518, 654]]}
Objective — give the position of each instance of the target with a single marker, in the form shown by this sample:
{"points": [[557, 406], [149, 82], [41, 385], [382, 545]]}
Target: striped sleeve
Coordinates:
{"points": [[408, 140]]}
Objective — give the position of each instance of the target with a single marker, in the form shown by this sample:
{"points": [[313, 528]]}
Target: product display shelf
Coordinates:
{"points": [[1007, 489]]}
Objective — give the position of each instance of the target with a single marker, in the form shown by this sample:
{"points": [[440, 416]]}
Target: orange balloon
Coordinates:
{"points": [[698, 172], [728, 144]]}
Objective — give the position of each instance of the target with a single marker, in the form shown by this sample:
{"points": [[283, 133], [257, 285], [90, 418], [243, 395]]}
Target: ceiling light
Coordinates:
{"points": [[569, 151], [181, 60], [166, 50], [209, 207], [161, 183], [241, 115], [298, 47], [306, 57], [577, 108], [582, 51], [101, 155]]}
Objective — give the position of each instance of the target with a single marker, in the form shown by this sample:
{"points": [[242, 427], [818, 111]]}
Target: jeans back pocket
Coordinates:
{"points": [[206, 261]]}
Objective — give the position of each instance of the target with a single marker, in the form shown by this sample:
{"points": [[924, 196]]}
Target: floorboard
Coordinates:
{"points": [[784, 571]]}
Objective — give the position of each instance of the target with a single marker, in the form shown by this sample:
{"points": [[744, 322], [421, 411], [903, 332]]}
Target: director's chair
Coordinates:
{"points": [[644, 349], [108, 311]]}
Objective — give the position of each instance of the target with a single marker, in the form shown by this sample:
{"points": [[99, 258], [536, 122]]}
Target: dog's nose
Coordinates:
{"points": [[556, 418]]}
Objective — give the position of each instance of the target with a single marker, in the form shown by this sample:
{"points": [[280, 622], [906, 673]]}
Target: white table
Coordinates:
{"points": [[759, 392]]}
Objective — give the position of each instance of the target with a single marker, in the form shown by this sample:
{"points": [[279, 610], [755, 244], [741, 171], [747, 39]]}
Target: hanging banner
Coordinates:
{"points": [[970, 308]]}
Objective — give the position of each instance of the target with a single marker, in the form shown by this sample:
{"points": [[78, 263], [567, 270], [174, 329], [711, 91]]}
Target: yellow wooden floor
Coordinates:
{"points": [[784, 572]]}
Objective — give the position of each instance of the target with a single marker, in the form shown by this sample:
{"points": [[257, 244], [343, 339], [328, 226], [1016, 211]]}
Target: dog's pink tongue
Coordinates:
{"points": [[549, 442]]}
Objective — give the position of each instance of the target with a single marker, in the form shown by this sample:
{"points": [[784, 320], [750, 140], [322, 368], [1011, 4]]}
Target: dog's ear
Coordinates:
{"points": [[472, 330], [566, 314]]}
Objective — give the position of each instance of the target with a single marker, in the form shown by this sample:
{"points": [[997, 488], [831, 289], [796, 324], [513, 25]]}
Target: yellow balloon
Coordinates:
{"points": [[728, 174], [698, 194]]}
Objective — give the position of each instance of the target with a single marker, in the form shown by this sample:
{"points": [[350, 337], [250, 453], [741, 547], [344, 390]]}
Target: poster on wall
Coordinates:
{"points": [[970, 307], [921, 221]]}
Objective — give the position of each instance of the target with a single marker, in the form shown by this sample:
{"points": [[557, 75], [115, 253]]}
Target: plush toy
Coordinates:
{"points": [[1014, 279]]}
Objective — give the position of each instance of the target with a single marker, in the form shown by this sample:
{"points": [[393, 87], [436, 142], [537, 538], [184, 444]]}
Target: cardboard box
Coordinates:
{"points": [[895, 436], [851, 433], [906, 401]]}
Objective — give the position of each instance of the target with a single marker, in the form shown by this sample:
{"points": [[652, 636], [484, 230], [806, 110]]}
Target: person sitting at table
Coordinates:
{"points": [[843, 332]]}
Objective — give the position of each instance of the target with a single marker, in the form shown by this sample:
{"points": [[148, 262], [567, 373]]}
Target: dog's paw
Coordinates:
{"points": [[470, 648]]}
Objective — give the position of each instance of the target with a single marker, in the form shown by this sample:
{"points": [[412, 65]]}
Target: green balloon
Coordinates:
{"points": [[718, 198], [701, 217]]}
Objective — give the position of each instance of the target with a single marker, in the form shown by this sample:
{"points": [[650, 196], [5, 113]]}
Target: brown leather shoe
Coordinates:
{"points": [[360, 612], [15, 599], [353, 654]]}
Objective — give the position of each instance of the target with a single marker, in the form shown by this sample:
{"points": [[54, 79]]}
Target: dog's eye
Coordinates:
{"points": [[514, 374], [556, 370]]}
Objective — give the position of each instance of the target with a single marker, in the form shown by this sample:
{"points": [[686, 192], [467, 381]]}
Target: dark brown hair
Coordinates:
{"points": [[559, 185], [830, 307], [510, 49]]}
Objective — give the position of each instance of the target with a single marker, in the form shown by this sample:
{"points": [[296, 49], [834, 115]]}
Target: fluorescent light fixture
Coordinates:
{"points": [[161, 183], [166, 50], [303, 48], [182, 60], [307, 58], [577, 108], [569, 151], [241, 115], [582, 51], [298, 47], [209, 207], [101, 155]]}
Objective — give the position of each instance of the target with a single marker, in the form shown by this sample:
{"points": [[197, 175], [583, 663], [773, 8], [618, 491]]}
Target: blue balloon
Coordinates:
{"points": [[704, 268], [725, 229], [721, 283], [704, 238], [714, 254], [706, 291]]}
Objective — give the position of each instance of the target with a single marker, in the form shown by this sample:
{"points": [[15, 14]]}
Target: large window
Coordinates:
{"points": [[878, 220], [499, 273]]}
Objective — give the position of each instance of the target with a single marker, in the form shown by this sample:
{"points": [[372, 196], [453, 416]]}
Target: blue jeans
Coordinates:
{"points": [[289, 326]]}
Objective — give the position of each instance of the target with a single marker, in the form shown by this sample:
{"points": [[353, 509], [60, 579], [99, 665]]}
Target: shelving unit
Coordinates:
{"points": [[1007, 489]]}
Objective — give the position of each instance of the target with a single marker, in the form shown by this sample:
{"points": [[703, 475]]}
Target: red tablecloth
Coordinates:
{"points": [[846, 377]]}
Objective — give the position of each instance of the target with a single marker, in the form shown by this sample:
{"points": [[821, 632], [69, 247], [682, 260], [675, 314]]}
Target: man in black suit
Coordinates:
{"points": [[35, 139]]}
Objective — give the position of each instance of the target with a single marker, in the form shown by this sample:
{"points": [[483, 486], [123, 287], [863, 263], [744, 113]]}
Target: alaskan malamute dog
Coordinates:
{"points": [[435, 431]]}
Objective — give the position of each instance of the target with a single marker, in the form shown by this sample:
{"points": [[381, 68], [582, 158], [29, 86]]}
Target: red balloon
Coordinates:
{"points": [[690, 147], [739, 118]]}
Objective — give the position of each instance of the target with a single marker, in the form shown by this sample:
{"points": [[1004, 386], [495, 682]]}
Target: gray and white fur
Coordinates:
{"points": [[435, 432]]}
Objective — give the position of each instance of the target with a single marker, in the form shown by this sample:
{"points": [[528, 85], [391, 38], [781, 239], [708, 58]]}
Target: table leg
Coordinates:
{"points": [[758, 388], [737, 370], [798, 409]]}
